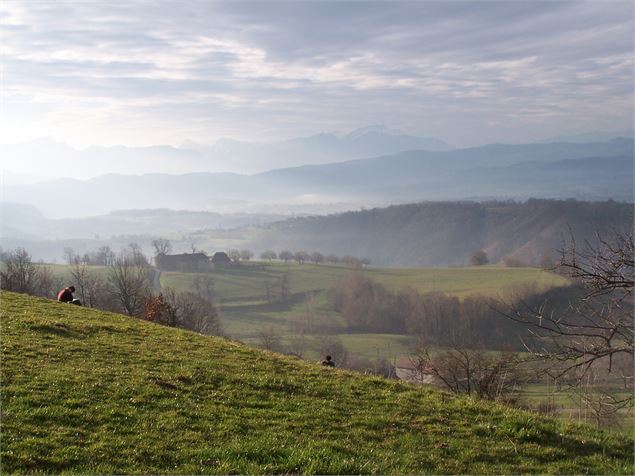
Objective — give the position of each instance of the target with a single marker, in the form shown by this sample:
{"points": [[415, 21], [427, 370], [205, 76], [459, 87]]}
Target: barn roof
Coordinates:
{"points": [[220, 257]]}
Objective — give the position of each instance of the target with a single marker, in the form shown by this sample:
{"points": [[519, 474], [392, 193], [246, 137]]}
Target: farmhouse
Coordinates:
{"points": [[407, 369], [221, 260], [183, 262]]}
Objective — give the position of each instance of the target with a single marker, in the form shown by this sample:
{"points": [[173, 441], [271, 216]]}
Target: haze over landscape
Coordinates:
{"points": [[436, 193]]}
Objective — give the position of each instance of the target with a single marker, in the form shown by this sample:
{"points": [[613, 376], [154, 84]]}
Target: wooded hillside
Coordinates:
{"points": [[447, 233]]}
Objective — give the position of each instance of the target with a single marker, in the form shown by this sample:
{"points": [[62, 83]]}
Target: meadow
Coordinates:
{"points": [[91, 392], [240, 290]]}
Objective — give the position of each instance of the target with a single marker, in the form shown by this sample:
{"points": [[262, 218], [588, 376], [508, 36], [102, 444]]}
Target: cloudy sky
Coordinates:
{"points": [[162, 72]]}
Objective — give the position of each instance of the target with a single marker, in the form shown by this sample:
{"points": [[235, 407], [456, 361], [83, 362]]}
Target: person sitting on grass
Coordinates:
{"points": [[328, 361], [66, 295]]}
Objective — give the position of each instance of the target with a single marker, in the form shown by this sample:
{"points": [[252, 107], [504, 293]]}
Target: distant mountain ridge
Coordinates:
{"points": [[596, 171], [226, 155]]}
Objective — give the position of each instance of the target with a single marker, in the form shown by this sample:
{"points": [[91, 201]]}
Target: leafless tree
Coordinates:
{"points": [[463, 368], [246, 255], [301, 256], [269, 295], [597, 327], [20, 274], [105, 256], [332, 258], [317, 257], [47, 283], [234, 255], [128, 284], [162, 246], [90, 290], [270, 339], [285, 255], [204, 286], [351, 261], [136, 254], [283, 285], [298, 345], [268, 255], [186, 310], [70, 256]]}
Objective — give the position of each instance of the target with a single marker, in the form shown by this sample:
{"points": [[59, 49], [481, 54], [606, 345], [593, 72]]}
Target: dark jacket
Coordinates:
{"points": [[65, 295]]}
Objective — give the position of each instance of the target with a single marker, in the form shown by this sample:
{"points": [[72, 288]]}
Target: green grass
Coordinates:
{"points": [[246, 283], [240, 291], [63, 271], [491, 281], [569, 406], [85, 391]]}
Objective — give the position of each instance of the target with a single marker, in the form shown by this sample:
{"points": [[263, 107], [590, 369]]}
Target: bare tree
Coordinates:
{"points": [[246, 255], [105, 256], [20, 274], [162, 246], [128, 284], [285, 255], [332, 258], [136, 253], [597, 327], [284, 288], [204, 286], [317, 257], [268, 255], [47, 283], [301, 256], [270, 339], [70, 256], [298, 345], [462, 368], [351, 261], [269, 294], [234, 255], [88, 286]]}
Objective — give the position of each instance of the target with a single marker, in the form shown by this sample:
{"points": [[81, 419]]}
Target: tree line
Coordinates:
{"points": [[368, 306]]}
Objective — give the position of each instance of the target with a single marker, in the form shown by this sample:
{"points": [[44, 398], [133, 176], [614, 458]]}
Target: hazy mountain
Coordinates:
{"points": [[598, 136], [595, 171], [446, 233], [56, 159]]}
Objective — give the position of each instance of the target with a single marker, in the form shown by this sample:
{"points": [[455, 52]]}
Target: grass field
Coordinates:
{"points": [[85, 391], [569, 406], [240, 291], [246, 283]]}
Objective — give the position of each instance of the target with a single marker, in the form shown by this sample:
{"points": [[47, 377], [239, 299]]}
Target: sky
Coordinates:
{"points": [[142, 73]]}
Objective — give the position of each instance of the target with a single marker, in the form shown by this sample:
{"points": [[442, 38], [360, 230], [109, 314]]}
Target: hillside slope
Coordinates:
{"points": [[447, 233], [91, 392]]}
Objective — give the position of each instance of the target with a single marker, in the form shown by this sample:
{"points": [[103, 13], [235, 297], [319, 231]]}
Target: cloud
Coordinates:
{"points": [[463, 71]]}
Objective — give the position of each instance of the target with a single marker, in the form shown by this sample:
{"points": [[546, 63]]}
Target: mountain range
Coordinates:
{"points": [[46, 158], [586, 171]]}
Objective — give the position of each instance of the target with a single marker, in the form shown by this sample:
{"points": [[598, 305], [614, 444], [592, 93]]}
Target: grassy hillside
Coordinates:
{"points": [[85, 391]]}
